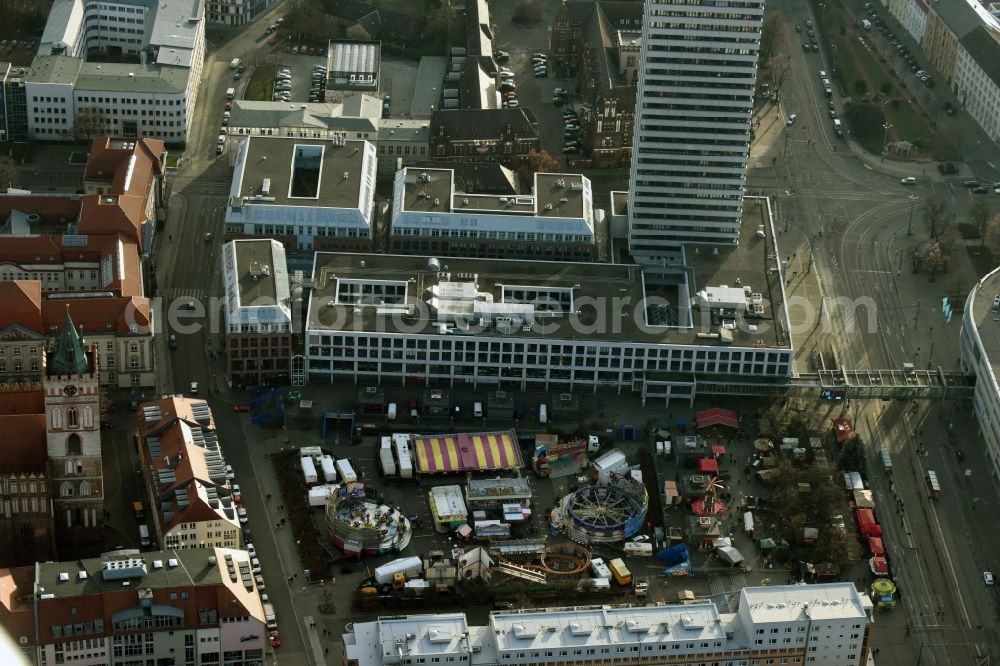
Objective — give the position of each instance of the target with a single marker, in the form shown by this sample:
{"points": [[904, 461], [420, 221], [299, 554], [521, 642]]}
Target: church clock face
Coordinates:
{"points": [[70, 390]]}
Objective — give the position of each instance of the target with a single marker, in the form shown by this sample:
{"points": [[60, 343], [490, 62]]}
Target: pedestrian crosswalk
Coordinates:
{"points": [[186, 292]]}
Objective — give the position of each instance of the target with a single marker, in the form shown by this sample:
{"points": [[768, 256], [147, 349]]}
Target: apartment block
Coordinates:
{"points": [[785, 624], [977, 78], [149, 90], [258, 313], [192, 502], [307, 193], [431, 216], [194, 606], [692, 131], [538, 325]]}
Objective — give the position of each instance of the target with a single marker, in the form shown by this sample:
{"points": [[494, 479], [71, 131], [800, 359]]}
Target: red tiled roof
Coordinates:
{"points": [[170, 410], [25, 446], [112, 214], [109, 160], [22, 402], [49, 250], [22, 305], [53, 210], [98, 315], [17, 616]]}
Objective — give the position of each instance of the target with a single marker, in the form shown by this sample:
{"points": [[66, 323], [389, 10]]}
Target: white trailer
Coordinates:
{"points": [[309, 471], [318, 494], [347, 474], [594, 584], [411, 566], [612, 462], [385, 459], [402, 443], [640, 549], [329, 469]]}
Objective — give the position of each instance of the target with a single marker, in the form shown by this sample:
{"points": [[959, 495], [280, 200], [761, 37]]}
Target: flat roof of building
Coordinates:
{"points": [[553, 628], [354, 57], [404, 129], [156, 569], [349, 115], [258, 273], [986, 317], [572, 301], [427, 86], [788, 603], [301, 172], [554, 195]]}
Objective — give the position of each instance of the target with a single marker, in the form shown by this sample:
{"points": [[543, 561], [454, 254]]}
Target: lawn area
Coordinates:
{"points": [[78, 157], [172, 161], [907, 123], [260, 84], [877, 74]]}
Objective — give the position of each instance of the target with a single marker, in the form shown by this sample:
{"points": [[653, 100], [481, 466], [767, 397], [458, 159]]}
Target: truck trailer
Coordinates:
{"points": [[409, 566], [347, 474], [309, 471], [385, 459], [620, 572], [329, 470]]}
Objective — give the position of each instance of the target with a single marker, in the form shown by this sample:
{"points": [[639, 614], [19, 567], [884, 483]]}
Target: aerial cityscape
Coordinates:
{"points": [[427, 332]]}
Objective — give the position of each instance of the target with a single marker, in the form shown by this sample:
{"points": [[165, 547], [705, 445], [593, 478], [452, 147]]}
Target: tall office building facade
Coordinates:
{"points": [[692, 130]]}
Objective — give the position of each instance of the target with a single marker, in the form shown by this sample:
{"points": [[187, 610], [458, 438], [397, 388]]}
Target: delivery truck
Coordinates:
{"points": [[599, 568], [620, 572], [347, 474], [329, 470], [411, 567], [269, 617], [641, 549], [309, 471], [318, 494]]}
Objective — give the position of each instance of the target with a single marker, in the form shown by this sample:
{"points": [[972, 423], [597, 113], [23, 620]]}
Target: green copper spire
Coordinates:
{"points": [[68, 357]]}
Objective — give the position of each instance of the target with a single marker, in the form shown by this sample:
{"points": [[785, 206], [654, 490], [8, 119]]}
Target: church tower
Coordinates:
{"points": [[73, 430]]}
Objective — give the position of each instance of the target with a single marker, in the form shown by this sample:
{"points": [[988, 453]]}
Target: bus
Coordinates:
{"points": [[620, 572], [932, 483]]}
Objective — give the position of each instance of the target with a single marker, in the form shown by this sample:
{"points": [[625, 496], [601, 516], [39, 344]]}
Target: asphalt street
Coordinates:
{"points": [[850, 214], [846, 211]]}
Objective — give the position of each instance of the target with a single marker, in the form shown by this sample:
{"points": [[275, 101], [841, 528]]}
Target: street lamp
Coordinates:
{"points": [[909, 223], [885, 137]]}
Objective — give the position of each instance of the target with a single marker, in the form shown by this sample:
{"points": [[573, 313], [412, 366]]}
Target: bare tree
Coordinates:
{"points": [[8, 174], [937, 260], [773, 35], [779, 67], [89, 124], [934, 216], [991, 239], [979, 215]]}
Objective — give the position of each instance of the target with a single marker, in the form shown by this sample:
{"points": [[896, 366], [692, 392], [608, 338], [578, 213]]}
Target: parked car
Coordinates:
{"points": [[255, 565], [971, 183], [512, 104], [251, 550], [988, 578], [242, 514], [230, 474], [909, 180], [237, 495], [980, 190], [570, 149], [791, 120], [502, 56]]}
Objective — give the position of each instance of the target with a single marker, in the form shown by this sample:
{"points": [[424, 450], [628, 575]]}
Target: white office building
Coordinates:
{"points": [[980, 347], [825, 625], [977, 78], [538, 325], [153, 97], [555, 221], [692, 128], [307, 193]]}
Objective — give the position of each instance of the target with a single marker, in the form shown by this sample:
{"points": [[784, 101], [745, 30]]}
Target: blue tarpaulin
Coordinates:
{"points": [[681, 422], [674, 554], [678, 569]]}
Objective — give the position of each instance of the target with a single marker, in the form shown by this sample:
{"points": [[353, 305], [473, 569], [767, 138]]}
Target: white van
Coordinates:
{"points": [[144, 536], [390, 413], [477, 410], [543, 414]]}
